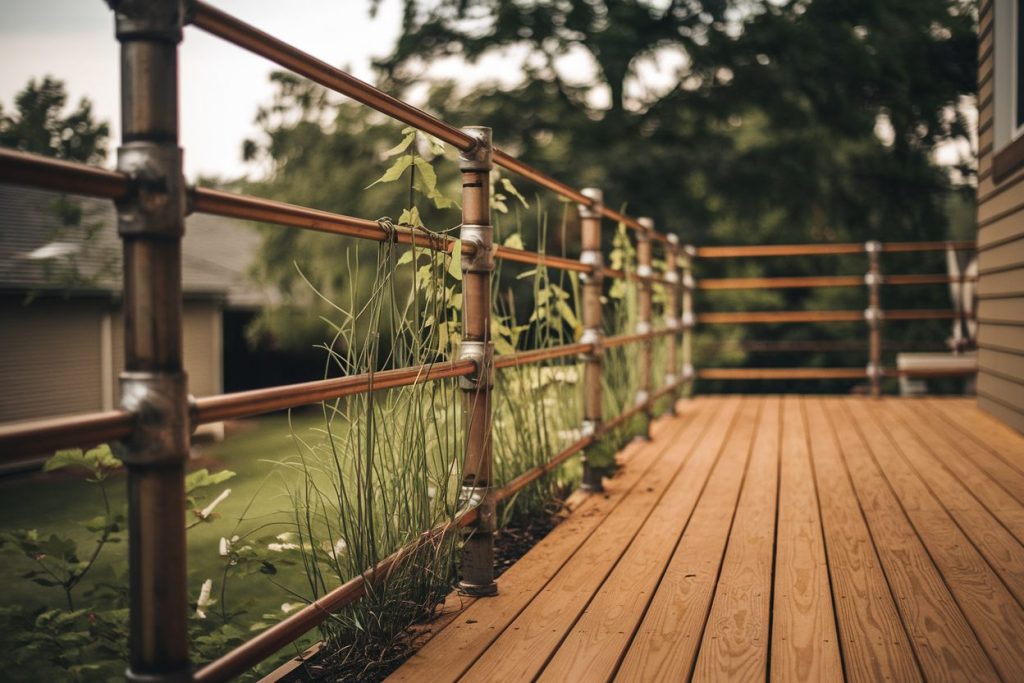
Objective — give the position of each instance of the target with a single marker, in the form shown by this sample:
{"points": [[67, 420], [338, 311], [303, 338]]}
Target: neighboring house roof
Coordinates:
{"points": [[39, 252]]}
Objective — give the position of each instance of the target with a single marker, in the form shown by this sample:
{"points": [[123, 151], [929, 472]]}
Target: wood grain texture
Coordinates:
{"points": [[875, 644], [666, 643], [772, 539], [995, 616], [451, 652], [736, 639], [597, 642], [943, 640], [805, 646], [524, 647]]}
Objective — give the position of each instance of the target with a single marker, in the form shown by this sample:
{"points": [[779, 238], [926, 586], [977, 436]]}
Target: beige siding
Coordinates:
{"points": [[1000, 262], [57, 359], [50, 359]]}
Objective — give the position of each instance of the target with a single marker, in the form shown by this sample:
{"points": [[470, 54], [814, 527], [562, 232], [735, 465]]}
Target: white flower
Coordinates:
{"points": [[281, 547], [290, 606], [204, 598], [286, 537], [431, 491], [208, 510], [338, 549], [226, 545]]}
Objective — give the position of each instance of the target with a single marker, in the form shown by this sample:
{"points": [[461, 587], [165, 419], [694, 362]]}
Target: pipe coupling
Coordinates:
{"points": [[596, 206], [642, 398], [156, 203], [482, 355], [643, 327], [644, 271], [873, 315], [689, 320], [592, 336], [148, 20], [159, 402], [673, 324], [873, 246], [479, 497], [688, 372], [873, 370], [595, 260], [689, 283], [480, 259], [480, 157], [672, 277], [872, 279], [590, 429]]}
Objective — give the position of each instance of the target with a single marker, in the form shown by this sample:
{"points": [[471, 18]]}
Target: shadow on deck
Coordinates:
{"points": [[794, 538]]}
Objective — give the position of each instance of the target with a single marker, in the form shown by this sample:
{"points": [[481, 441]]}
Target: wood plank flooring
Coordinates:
{"points": [[790, 538]]}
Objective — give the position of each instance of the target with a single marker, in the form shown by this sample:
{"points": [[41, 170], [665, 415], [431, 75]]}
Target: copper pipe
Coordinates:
{"points": [[625, 339], [294, 626], [874, 318], [259, 401], [20, 168], [533, 258], [750, 317], [645, 311], [533, 474], [782, 373], [592, 285], [232, 30], [218, 203], [673, 300], [780, 282], [76, 431], [540, 355], [237, 32], [820, 281], [919, 314], [825, 249]]}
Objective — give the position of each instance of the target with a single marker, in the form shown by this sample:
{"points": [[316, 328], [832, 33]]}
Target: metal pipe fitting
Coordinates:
{"points": [[480, 157], [159, 403], [482, 355], [479, 259]]}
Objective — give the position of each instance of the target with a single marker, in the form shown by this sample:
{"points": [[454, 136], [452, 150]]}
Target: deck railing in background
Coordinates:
{"points": [[873, 316], [157, 414]]}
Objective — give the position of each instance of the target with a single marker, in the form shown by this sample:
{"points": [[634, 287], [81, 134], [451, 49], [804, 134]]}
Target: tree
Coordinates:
{"points": [[40, 126]]}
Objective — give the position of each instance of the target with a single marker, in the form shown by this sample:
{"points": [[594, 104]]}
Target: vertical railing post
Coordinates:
{"points": [[672, 321], [477, 237], [645, 272], [689, 318], [592, 283], [151, 222], [873, 316]]}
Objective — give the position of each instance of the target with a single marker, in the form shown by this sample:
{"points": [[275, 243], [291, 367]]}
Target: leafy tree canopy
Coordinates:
{"points": [[40, 125]]}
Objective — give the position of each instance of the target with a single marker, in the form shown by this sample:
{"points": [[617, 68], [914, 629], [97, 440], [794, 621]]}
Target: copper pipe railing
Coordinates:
{"points": [[21, 168], [824, 281], [825, 249], [755, 317], [819, 373], [76, 431], [235, 31]]}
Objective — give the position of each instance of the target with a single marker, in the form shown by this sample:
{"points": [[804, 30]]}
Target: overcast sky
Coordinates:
{"points": [[221, 85]]}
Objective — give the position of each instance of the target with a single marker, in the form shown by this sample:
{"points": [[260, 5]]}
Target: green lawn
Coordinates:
{"points": [[60, 502]]}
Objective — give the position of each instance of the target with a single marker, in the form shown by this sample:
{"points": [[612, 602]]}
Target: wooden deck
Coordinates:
{"points": [[796, 538]]}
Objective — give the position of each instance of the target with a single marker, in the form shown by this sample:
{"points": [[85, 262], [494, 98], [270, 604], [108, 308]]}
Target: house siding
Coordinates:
{"points": [[57, 358], [1000, 257]]}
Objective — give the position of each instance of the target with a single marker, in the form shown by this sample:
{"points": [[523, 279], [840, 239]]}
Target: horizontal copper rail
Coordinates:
{"points": [[237, 32], [824, 281], [533, 474], [824, 249], [624, 339], [259, 401], [750, 317], [533, 258], [538, 355], [782, 373], [821, 373], [20, 168], [218, 203], [293, 627], [75, 431]]}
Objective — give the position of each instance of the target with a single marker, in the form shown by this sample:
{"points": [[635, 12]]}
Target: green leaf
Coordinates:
{"points": [[514, 241], [403, 145], [395, 172], [455, 263], [202, 478], [511, 189]]}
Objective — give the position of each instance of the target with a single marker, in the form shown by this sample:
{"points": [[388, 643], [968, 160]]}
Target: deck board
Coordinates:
{"points": [[767, 538]]}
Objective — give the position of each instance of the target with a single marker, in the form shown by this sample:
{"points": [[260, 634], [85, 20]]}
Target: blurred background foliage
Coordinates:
{"points": [[779, 122]]}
